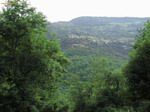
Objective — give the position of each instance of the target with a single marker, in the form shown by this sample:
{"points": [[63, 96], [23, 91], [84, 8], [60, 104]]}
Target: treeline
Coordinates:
{"points": [[36, 76]]}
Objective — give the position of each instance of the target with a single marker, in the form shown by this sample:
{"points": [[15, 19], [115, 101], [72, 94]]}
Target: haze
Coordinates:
{"points": [[65, 10]]}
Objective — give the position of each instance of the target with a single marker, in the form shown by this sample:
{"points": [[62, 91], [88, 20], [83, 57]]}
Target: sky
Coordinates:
{"points": [[65, 10]]}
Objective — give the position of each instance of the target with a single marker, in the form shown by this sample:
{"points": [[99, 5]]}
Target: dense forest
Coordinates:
{"points": [[88, 64]]}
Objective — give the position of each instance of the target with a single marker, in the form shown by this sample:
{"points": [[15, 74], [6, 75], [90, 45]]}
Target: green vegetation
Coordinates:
{"points": [[96, 74], [100, 27], [111, 36], [138, 73], [30, 63]]}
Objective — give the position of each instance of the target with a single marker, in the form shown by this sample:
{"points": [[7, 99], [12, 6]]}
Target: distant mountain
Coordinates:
{"points": [[107, 35], [99, 27]]}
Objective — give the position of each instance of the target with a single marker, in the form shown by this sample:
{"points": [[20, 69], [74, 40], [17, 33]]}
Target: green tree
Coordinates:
{"points": [[30, 63], [108, 86], [138, 68]]}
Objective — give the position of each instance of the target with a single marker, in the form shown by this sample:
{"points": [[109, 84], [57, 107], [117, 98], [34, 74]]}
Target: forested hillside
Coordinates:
{"points": [[98, 48], [98, 35], [100, 27], [83, 65]]}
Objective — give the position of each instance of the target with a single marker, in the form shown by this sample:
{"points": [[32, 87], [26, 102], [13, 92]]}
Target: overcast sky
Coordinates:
{"points": [[64, 10]]}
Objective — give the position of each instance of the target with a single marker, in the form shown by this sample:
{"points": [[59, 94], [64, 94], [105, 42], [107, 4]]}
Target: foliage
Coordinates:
{"points": [[94, 85], [137, 70], [30, 63]]}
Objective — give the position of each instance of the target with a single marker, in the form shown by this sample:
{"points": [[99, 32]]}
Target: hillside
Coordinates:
{"points": [[98, 35]]}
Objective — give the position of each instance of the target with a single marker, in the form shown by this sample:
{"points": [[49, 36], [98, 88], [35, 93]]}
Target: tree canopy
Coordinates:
{"points": [[137, 71], [30, 63]]}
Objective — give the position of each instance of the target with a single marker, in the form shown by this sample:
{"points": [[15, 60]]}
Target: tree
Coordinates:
{"points": [[30, 63], [138, 68]]}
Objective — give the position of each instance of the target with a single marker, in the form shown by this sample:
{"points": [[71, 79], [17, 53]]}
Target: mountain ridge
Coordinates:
{"points": [[104, 34], [99, 26]]}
